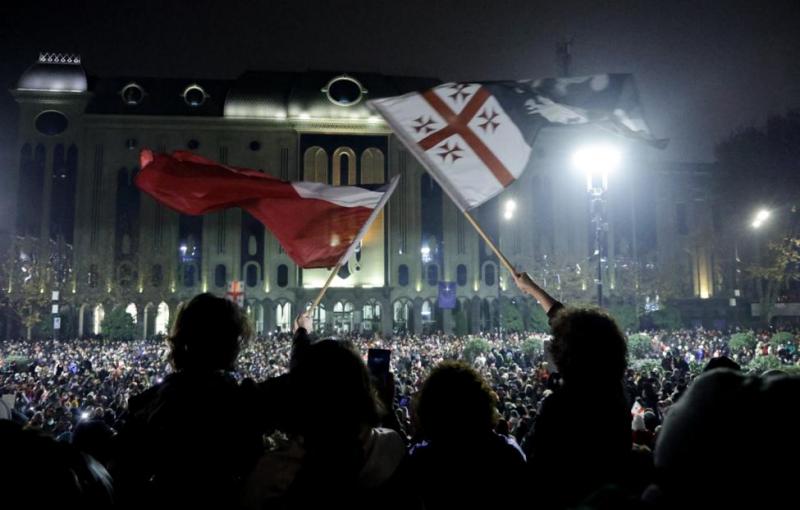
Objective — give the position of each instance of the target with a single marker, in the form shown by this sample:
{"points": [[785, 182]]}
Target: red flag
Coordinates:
{"points": [[315, 223]]}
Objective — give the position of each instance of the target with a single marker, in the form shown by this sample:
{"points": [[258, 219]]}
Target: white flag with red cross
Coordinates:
{"points": [[236, 292], [475, 139]]}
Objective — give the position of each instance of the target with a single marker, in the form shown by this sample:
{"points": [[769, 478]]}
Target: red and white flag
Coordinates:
{"points": [[318, 225], [475, 139]]}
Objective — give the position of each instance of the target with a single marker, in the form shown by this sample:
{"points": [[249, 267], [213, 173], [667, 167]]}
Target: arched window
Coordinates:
{"points": [[162, 319], [283, 316], [433, 275], [156, 275], [344, 167], [343, 316], [315, 165], [371, 310], [489, 274], [93, 278], [426, 311], [461, 275], [132, 311], [99, 315], [220, 275], [402, 315], [189, 275], [251, 274], [402, 275], [319, 316], [371, 316], [126, 274], [283, 275], [372, 165]]}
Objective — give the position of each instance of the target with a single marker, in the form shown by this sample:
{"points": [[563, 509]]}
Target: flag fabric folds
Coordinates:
{"points": [[316, 224], [476, 138]]}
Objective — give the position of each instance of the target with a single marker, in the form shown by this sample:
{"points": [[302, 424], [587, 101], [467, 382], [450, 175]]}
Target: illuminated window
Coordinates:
{"points": [[315, 165], [372, 166], [344, 166]]}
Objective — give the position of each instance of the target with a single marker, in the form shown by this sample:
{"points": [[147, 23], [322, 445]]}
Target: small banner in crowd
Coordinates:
{"points": [[447, 295]]}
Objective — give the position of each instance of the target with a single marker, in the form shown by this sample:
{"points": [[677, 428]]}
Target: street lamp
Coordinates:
{"points": [[509, 208], [761, 216], [596, 162]]}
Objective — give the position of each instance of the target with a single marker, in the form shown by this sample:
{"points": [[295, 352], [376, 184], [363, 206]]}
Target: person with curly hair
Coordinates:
{"points": [[461, 455], [581, 440], [190, 440]]}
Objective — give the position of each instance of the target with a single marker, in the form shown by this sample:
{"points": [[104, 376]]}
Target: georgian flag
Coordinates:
{"points": [[236, 293], [475, 138], [318, 225]]}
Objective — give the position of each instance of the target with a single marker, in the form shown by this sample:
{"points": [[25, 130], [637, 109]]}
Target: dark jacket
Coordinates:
{"points": [[467, 473], [580, 441], [189, 440]]}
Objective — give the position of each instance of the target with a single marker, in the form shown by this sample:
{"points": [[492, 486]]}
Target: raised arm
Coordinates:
{"points": [[549, 304], [303, 325]]}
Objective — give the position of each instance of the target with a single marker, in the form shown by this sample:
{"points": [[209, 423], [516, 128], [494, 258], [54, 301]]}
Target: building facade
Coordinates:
{"points": [[79, 142]]}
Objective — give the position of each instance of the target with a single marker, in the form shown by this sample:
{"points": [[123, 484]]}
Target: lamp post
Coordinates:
{"points": [[509, 212], [597, 162], [760, 217]]}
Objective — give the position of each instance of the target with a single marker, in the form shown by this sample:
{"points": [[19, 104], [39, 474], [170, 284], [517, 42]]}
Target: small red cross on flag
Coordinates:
{"points": [[236, 293], [463, 136]]}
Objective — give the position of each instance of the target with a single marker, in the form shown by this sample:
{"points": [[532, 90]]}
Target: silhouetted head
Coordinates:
{"points": [[208, 334], [734, 432], [455, 402], [721, 362], [588, 346], [43, 473], [333, 393]]}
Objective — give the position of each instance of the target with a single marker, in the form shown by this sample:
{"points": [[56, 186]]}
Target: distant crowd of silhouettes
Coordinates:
{"points": [[315, 429]]}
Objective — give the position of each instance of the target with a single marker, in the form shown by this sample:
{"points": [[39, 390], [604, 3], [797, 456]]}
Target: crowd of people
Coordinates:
{"points": [[290, 422]]}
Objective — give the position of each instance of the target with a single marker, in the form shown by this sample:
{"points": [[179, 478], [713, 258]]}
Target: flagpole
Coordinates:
{"points": [[349, 253], [324, 288], [503, 260]]}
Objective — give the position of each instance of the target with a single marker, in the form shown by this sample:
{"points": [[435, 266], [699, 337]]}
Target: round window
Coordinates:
{"points": [[344, 91], [132, 94], [51, 123], [195, 96]]}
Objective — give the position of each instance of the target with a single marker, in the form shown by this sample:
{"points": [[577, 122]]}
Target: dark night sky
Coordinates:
{"points": [[703, 68]]}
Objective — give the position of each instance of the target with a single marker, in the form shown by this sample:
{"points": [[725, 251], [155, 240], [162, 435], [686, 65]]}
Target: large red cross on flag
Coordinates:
{"points": [[463, 136], [236, 292]]}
